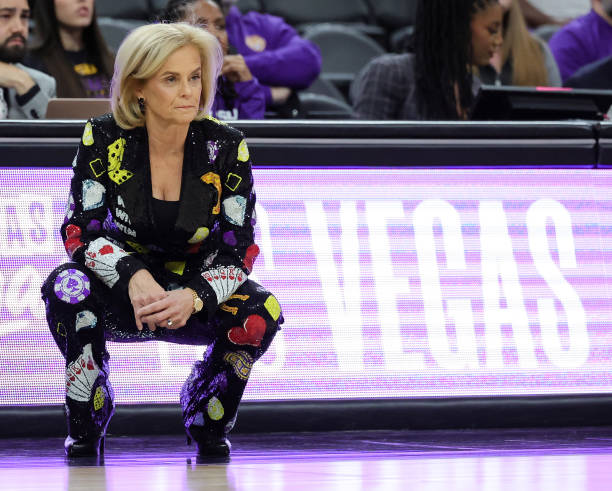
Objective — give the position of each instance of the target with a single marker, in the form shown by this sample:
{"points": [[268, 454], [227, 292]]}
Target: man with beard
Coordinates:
{"points": [[24, 92]]}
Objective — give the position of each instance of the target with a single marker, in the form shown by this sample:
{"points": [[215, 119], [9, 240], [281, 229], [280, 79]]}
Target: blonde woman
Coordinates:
{"points": [[159, 230], [523, 59]]}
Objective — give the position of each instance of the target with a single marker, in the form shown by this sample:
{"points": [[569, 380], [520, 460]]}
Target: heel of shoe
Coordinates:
{"points": [[84, 447]]}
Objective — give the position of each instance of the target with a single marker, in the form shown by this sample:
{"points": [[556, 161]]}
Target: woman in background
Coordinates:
{"points": [[239, 94], [523, 59], [437, 81], [70, 48]]}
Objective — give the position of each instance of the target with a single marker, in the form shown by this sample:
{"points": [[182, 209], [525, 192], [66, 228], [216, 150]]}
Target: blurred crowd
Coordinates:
{"points": [[288, 66]]}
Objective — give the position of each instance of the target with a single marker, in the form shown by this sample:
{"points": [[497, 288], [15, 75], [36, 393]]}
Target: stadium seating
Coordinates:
{"points": [[344, 52], [115, 30]]}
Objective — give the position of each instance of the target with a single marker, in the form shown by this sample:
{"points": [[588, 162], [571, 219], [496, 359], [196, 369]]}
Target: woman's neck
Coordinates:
{"points": [[166, 140], [71, 39]]}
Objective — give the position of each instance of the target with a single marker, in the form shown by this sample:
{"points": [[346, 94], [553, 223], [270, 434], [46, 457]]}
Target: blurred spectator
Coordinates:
{"points": [[597, 75], [437, 81], [274, 52], [24, 92], [584, 40], [239, 94], [552, 12], [523, 59], [70, 47]]}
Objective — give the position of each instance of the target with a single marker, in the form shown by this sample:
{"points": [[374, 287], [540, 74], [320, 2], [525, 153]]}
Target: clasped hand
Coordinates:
{"points": [[154, 306]]}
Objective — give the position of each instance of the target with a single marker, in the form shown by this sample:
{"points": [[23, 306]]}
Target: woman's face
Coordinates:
{"points": [[172, 95], [209, 15], [74, 13], [487, 37]]}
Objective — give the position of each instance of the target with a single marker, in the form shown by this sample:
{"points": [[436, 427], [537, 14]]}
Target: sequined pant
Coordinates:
{"points": [[82, 314]]}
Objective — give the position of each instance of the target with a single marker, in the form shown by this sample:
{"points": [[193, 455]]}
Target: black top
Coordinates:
{"points": [[165, 214], [94, 82]]}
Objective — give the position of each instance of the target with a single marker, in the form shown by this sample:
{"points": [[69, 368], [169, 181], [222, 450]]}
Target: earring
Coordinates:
{"points": [[141, 104]]}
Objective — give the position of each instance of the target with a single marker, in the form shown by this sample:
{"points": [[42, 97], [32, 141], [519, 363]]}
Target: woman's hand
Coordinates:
{"points": [[175, 307], [235, 69], [144, 290]]}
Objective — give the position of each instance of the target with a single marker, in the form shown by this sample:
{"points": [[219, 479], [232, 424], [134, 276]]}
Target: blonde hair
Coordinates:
{"points": [[528, 62], [142, 54]]}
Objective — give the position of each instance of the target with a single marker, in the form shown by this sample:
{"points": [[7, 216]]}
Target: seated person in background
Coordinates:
{"points": [[274, 52], [584, 40], [597, 75], [437, 81], [24, 92], [71, 48], [239, 95], [552, 12], [523, 59]]}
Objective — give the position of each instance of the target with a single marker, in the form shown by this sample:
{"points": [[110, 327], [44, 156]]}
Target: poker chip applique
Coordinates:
{"points": [[72, 286]]}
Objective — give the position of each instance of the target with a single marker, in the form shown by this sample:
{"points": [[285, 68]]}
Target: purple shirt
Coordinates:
{"points": [[273, 50], [250, 102], [582, 41]]}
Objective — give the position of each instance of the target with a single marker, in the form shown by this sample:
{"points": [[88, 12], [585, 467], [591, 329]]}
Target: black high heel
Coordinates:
{"points": [[209, 445], [84, 447]]}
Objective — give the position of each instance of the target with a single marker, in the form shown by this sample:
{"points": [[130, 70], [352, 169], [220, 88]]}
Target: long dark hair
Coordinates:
{"points": [[442, 46], [49, 49]]}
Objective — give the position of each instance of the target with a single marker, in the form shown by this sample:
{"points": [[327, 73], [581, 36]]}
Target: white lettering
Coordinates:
{"points": [[426, 214], [389, 286], [499, 266], [537, 216], [344, 309]]}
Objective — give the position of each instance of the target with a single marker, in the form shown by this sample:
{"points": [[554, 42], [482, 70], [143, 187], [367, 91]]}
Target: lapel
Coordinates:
{"points": [[197, 197], [135, 192]]}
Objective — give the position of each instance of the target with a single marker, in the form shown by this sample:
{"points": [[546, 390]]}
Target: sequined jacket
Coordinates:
{"points": [[110, 225]]}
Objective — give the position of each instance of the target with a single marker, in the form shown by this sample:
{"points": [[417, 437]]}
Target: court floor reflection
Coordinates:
{"points": [[513, 460]]}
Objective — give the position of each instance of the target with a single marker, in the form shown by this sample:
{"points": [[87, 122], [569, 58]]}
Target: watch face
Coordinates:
{"points": [[198, 304]]}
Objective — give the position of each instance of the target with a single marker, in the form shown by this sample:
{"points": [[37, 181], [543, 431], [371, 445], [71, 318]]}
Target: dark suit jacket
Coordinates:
{"points": [[110, 226]]}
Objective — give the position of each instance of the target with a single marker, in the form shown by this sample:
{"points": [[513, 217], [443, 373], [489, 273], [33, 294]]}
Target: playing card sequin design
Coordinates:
{"points": [[224, 281], [102, 257], [81, 376]]}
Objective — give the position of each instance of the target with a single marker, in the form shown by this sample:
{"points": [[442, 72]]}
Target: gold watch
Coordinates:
{"points": [[197, 301]]}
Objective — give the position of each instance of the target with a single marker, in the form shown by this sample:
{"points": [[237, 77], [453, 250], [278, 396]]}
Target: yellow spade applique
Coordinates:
{"points": [[88, 138], [243, 151], [200, 234], [115, 157]]}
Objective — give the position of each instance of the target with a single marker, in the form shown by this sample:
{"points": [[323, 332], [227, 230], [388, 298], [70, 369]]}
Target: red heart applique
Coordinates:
{"points": [[251, 333], [107, 249], [251, 254]]}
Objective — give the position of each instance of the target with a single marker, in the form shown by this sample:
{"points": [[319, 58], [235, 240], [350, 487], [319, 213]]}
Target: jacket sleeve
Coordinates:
{"points": [[225, 269], [377, 92], [569, 52], [86, 213], [251, 100], [288, 61]]}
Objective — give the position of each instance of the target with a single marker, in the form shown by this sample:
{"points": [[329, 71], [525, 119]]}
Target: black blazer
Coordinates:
{"points": [[110, 225]]}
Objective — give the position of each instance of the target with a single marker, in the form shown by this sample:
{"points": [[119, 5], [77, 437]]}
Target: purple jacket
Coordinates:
{"points": [[581, 42], [250, 102], [273, 50]]}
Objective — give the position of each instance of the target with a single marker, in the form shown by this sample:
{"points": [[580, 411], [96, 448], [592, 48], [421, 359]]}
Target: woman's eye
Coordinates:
{"points": [[195, 77], [170, 79]]}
